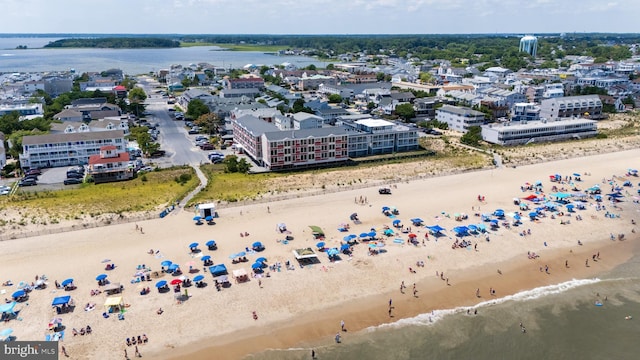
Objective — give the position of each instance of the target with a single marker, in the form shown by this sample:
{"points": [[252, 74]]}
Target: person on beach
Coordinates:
{"points": [[338, 338], [138, 352], [342, 325], [313, 354], [64, 351], [566, 264], [478, 292], [586, 263], [126, 356]]}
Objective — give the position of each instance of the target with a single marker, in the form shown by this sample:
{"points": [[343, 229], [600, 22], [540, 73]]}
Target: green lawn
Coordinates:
{"points": [[159, 189]]}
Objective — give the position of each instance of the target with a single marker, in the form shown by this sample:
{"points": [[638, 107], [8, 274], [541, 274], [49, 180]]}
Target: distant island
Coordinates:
{"points": [[114, 43]]}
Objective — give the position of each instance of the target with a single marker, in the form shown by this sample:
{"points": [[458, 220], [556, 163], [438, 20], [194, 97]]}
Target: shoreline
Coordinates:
{"points": [[371, 312]]}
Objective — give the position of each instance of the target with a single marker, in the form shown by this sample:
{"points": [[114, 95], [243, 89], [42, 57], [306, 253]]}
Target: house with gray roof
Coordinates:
{"points": [[459, 118]]}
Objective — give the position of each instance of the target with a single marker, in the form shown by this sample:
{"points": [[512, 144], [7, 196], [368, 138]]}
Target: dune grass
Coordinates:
{"points": [[231, 187], [147, 192]]}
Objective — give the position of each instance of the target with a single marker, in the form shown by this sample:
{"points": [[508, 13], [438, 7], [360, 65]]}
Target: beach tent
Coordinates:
{"points": [[317, 231], [7, 308], [113, 304], [461, 230], [306, 253], [240, 275], [482, 227], [166, 263], [18, 294], [218, 270], [417, 221], [66, 282], [499, 213], [435, 229], [472, 228], [388, 232], [61, 300]]}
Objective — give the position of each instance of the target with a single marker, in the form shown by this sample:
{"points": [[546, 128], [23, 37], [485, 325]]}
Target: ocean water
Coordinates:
{"points": [[131, 61], [561, 322]]}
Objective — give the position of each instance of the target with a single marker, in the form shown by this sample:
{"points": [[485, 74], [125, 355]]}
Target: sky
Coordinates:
{"points": [[319, 16]]}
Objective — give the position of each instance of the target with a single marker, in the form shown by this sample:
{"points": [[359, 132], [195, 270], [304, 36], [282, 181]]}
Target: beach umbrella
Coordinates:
{"points": [[22, 285], [364, 235], [347, 238], [241, 253], [6, 332], [166, 263], [320, 245], [18, 294], [353, 216], [176, 281], [193, 245], [209, 218], [344, 247], [576, 174], [472, 227], [198, 278], [412, 235], [482, 227], [352, 236], [197, 218], [210, 243], [372, 245], [388, 232], [256, 265], [261, 260], [101, 277], [161, 283], [205, 258], [67, 282], [385, 208], [372, 234], [257, 244], [396, 222], [173, 267], [332, 252]]}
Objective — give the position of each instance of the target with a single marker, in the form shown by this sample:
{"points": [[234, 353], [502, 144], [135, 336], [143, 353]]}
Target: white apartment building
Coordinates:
{"points": [[55, 150], [526, 132], [459, 118]]}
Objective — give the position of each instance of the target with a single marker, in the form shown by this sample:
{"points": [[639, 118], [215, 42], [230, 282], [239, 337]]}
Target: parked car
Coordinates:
{"points": [[78, 168], [217, 160], [33, 172], [384, 190], [157, 154], [35, 177], [73, 181], [193, 131], [146, 169], [207, 146], [172, 109], [28, 182], [74, 175]]}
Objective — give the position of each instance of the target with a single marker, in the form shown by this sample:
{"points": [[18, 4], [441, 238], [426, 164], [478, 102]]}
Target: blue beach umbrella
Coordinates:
{"points": [[372, 234], [166, 263], [352, 236], [18, 294], [67, 282], [198, 278], [256, 244], [193, 245], [6, 332], [197, 218], [385, 208], [211, 243], [332, 252], [161, 283], [344, 247], [174, 267], [362, 235], [209, 218], [205, 258], [346, 238], [256, 265], [396, 222], [241, 253], [320, 244], [261, 260], [101, 277]]}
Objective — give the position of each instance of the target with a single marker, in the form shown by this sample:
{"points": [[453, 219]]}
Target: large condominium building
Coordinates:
{"points": [[588, 106], [459, 118], [54, 150], [277, 149], [538, 131]]}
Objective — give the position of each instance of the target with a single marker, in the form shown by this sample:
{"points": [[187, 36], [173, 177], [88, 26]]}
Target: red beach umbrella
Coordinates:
{"points": [[412, 235], [176, 281]]}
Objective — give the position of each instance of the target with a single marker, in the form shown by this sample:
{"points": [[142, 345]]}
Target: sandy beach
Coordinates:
{"points": [[355, 289]]}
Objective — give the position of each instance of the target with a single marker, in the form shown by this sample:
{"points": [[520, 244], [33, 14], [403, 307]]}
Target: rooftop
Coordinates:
{"points": [[71, 137]]}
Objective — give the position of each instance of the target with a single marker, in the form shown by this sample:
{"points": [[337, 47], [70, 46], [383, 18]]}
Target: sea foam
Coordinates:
{"points": [[436, 315]]}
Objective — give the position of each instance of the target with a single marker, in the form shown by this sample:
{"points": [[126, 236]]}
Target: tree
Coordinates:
{"points": [[335, 98], [210, 122], [142, 137], [136, 97], [197, 108], [231, 163], [405, 111], [371, 105], [473, 136], [298, 106], [243, 166], [426, 78], [330, 66], [311, 67]]}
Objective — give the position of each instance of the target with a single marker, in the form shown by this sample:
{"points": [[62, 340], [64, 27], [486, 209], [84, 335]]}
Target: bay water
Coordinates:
{"points": [[130, 61], [561, 321]]}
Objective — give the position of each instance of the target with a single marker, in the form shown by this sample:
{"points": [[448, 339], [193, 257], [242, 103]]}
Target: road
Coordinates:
{"points": [[173, 138]]}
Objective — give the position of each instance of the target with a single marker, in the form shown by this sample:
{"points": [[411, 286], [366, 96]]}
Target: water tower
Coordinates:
{"points": [[529, 44]]}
